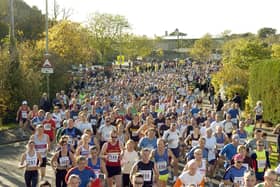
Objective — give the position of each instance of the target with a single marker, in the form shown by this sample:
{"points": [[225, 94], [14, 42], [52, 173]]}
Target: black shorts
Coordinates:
{"points": [[44, 162], [113, 170], [258, 117], [176, 152]]}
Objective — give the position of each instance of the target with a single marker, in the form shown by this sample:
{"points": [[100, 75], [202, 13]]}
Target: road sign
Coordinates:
{"points": [[47, 67], [120, 59]]}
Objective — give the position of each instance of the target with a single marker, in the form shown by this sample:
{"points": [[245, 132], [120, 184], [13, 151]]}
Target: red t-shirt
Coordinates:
{"points": [[49, 127]]}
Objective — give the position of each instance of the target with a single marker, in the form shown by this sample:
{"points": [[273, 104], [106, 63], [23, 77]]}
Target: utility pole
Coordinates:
{"points": [[47, 48]]}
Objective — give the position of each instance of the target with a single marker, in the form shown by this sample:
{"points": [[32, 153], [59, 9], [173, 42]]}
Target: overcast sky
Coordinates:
{"points": [[194, 17]]}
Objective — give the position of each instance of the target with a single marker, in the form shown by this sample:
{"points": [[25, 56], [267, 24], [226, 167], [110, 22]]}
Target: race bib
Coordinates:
{"points": [[31, 162], [162, 165], [93, 121], [239, 180], [147, 175], [242, 141], [261, 165], [63, 161], [47, 126], [106, 136], [134, 134], [113, 157], [219, 146], [71, 141], [75, 117], [24, 114], [194, 143]]}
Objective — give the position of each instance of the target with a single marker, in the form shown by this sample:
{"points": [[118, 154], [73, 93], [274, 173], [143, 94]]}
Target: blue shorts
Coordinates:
{"points": [[176, 152]]}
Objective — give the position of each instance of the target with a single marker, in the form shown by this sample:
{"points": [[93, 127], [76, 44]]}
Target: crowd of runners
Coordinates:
{"points": [[134, 127]]}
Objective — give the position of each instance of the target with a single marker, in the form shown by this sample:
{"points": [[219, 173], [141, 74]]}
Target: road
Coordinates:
{"points": [[10, 175]]}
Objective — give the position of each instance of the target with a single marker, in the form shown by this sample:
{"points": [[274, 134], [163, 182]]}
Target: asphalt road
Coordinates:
{"points": [[10, 175]]}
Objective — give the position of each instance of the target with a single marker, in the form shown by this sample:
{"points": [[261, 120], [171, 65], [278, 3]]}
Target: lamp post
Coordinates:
{"points": [[47, 48]]}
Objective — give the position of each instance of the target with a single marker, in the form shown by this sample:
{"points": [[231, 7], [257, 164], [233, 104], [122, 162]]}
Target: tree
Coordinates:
{"points": [[108, 31], [70, 41], [242, 52], [266, 32], [202, 49], [275, 50]]}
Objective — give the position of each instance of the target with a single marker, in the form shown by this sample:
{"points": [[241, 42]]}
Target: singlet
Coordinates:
{"points": [[23, 114], [97, 167], [41, 145], [242, 137], [91, 143], [194, 141], [147, 172], [132, 131], [31, 161], [84, 151], [63, 161], [261, 160], [113, 152], [220, 141], [202, 168], [162, 162]]}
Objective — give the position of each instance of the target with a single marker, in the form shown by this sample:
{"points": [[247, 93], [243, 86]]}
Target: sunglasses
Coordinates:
{"points": [[240, 162], [260, 144], [113, 136]]}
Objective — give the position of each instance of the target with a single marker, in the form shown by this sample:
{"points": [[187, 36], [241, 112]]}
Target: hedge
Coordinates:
{"points": [[264, 85]]}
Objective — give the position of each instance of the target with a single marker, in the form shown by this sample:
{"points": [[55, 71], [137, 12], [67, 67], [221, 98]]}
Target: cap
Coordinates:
{"points": [[146, 149], [238, 157], [24, 102]]}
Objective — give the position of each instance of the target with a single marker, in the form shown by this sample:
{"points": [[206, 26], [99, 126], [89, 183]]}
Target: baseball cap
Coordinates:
{"points": [[24, 102], [238, 157], [235, 136]]}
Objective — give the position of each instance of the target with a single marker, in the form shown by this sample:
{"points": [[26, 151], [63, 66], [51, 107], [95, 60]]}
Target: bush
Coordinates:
{"points": [[264, 85]]}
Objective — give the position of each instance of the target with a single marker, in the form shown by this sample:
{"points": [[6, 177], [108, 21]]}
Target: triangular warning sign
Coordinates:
{"points": [[47, 64]]}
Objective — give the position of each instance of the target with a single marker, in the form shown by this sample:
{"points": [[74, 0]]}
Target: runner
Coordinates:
{"points": [[97, 164], [73, 181], [147, 168], [31, 161], [161, 157], [42, 145], [111, 152], [85, 173], [189, 177], [22, 117], [61, 162], [130, 156]]}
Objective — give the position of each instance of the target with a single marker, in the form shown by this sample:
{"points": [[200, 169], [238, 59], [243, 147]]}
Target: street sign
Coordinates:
{"points": [[120, 59], [47, 67]]}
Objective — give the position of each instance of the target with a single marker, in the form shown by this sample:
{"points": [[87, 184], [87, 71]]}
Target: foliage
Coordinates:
{"points": [[29, 21], [275, 50], [134, 46], [264, 85], [202, 49], [107, 34], [70, 41], [266, 32], [242, 52]]}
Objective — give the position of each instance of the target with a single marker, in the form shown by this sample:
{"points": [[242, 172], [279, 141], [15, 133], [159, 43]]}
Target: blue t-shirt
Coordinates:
{"points": [[85, 175], [235, 175], [229, 151], [146, 142], [190, 154], [233, 113]]}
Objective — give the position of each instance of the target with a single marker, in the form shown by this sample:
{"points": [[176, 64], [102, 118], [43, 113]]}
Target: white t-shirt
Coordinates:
{"points": [[172, 138], [210, 144], [105, 131], [128, 160], [83, 125], [187, 179], [228, 127], [214, 125]]}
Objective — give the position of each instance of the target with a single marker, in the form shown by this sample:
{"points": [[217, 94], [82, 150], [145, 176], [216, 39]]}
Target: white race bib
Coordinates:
{"points": [[24, 114], [261, 164], [31, 162], [239, 180], [162, 165], [63, 161], [47, 126], [147, 175], [113, 157]]}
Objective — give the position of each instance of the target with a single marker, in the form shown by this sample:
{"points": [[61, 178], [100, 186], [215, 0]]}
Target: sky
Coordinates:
{"points": [[194, 17]]}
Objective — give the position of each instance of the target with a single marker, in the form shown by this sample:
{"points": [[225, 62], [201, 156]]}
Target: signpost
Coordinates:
{"points": [[47, 69]]}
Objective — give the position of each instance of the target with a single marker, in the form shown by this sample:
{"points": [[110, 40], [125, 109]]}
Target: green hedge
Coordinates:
{"points": [[264, 85]]}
